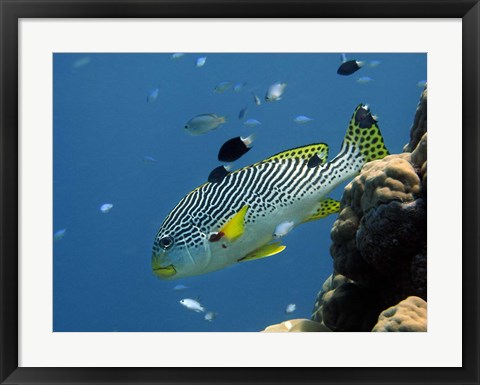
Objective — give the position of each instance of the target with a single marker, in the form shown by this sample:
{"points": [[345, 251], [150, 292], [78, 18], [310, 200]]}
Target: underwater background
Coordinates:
{"points": [[118, 138]]}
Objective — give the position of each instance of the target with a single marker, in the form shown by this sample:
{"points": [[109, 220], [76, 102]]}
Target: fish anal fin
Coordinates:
{"points": [[325, 208], [304, 153], [235, 227], [263, 252]]}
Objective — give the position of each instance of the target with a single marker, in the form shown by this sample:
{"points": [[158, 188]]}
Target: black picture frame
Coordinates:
{"points": [[12, 11]]}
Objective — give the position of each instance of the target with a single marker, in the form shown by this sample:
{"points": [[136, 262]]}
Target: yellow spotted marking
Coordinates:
{"points": [[367, 140]]}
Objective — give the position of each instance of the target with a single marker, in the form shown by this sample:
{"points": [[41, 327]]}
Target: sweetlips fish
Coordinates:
{"points": [[234, 220]]}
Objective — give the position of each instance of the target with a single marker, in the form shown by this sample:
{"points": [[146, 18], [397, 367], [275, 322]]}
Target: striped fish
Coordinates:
{"points": [[234, 220]]}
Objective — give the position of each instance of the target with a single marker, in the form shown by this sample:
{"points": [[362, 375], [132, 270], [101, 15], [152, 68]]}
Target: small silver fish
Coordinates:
{"points": [[238, 86], [153, 95], [283, 229], [177, 55], [256, 99], [201, 61], [82, 62], [203, 123], [180, 287], [59, 234], [192, 304], [106, 207], [364, 80], [302, 119], [210, 316], [222, 87], [251, 122], [275, 92], [374, 63], [290, 308], [149, 159]]}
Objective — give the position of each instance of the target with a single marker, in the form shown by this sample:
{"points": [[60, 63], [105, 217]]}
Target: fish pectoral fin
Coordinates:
{"points": [[263, 252], [324, 209], [235, 227]]}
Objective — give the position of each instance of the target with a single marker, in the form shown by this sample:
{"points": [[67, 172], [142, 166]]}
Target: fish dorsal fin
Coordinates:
{"points": [[320, 150], [324, 209], [304, 152], [235, 227], [263, 252]]}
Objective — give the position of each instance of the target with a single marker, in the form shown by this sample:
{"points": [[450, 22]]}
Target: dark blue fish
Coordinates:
{"points": [[218, 174], [349, 67], [235, 148]]}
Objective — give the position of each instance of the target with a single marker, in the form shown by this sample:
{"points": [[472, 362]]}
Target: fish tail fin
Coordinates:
{"points": [[363, 142]]}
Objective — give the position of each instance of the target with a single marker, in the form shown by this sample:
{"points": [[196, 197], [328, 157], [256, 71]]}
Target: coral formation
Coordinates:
{"points": [[343, 305], [419, 126], [297, 325], [379, 246], [410, 315]]}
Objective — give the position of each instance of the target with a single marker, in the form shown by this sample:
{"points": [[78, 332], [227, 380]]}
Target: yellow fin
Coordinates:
{"points": [[263, 252], [304, 152], [235, 227], [325, 208], [364, 136]]}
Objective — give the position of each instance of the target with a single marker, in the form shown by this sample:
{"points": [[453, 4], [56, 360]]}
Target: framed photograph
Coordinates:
{"points": [[228, 192]]}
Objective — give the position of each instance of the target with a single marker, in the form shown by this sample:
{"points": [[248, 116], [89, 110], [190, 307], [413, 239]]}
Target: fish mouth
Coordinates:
{"points": [[164, 272]]}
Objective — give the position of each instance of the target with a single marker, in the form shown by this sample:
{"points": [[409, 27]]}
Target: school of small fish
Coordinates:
{"points": [[236, 147]]}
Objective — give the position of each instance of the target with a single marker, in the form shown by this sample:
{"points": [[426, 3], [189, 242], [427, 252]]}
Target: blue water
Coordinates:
{"points": [[103, 129]]}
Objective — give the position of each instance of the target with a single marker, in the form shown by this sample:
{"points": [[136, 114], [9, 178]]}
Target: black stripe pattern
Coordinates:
{"points": [[273, 184]]}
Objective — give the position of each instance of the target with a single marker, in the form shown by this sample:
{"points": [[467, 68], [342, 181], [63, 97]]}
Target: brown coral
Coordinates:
{"points": [[380, 238], [330, 284], [343, 305], [410, 315], [385, 204]]}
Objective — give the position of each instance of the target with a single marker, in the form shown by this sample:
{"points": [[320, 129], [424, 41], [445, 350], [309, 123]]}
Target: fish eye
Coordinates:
{"points": [[166, 242]]}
